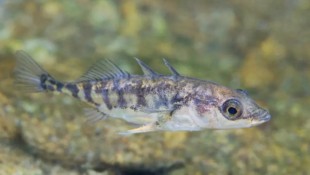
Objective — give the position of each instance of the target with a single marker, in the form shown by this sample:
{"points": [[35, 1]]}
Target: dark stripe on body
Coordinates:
{"points": [[106, 99], [73, 89], [52, 81], [59, 86], [140, 92], [104, 92], [121, 100], [120, 93], [43, 79], [87, 92], [87, 88], [161, 91], [51, 84]]}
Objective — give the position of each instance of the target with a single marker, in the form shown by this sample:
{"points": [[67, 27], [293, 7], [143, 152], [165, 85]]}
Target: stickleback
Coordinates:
{"points": [[153, 101]]}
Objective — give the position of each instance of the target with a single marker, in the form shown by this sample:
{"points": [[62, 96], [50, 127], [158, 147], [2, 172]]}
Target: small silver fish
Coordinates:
{"points": [[155, 102]]}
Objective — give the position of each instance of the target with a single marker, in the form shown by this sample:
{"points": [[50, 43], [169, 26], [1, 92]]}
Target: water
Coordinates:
{"points": [[258, 46]]}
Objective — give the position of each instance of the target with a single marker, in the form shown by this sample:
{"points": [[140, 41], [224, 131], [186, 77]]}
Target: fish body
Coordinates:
{"points": [[153, 101]]}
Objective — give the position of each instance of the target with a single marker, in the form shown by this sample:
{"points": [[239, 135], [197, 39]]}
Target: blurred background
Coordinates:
{"points": [[261, 46]]}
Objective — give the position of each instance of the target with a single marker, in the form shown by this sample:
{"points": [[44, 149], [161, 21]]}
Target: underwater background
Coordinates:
{"points": [[261, 46]]}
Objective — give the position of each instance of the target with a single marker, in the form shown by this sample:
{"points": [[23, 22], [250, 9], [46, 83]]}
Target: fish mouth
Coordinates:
{"points": [[261, 118]]}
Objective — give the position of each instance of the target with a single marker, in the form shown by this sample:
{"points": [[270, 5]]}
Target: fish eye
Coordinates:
{"points": [[232, 109]]}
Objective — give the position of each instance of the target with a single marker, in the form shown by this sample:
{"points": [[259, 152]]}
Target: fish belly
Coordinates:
{"points": [[129, 115]]}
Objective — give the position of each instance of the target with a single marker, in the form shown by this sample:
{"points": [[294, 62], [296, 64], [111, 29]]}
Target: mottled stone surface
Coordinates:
{"points": [[260, 46]]}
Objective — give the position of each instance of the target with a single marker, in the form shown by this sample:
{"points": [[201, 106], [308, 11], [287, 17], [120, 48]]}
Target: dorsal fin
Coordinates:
{"points": [[103, 70], [172, 70], [146, 69]]}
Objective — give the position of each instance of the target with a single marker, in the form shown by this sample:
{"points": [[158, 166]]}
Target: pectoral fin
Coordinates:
{"points": [[93, 115]]}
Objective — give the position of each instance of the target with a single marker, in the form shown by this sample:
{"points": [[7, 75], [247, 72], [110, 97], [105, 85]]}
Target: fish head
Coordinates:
{"points": [[233, 109]]}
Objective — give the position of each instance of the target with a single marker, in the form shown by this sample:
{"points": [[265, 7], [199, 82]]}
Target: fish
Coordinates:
{"points": [[152, 101]]}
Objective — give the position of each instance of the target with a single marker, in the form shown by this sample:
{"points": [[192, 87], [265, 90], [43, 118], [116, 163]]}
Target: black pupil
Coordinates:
{"points": [[232, 110]]}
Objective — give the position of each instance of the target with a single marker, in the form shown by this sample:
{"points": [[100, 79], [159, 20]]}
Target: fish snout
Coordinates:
{"points": [[260, 116]]}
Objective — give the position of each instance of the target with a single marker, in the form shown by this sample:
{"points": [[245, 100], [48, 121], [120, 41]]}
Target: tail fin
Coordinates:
{"points": [[30, 77]]}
